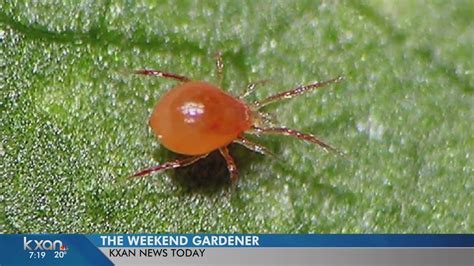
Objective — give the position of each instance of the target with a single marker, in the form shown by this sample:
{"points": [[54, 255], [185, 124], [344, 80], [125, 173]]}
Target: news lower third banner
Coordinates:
{"points": [[236, 249]]}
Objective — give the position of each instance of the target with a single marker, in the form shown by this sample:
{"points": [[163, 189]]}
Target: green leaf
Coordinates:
{"points": [[74, 120]]}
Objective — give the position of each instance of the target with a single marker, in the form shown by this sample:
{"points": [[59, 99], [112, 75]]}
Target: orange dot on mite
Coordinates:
{"points": [[196, 118]]}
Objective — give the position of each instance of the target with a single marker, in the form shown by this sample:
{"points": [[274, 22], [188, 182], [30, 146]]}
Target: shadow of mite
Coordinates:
{"points": [[209, 174]]}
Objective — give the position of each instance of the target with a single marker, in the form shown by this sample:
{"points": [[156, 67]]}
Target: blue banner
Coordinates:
{"points": [[283, 240]]}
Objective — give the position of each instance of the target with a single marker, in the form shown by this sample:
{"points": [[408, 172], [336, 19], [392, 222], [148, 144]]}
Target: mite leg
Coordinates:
{"points": [[252, 86], [294, 92], [169, 165], [290, 132], [254, 146], [219, 68], [151, 72], [234, 173]]}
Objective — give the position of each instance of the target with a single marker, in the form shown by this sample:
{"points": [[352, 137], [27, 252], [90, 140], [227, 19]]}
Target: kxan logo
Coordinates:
{"points": [[40, 245]]}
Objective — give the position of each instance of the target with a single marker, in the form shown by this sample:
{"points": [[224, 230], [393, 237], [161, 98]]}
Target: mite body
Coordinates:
{"points": [[195, 118]]}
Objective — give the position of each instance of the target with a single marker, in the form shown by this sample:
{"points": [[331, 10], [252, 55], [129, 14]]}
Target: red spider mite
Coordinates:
{"points": [[197, 117]]}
